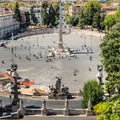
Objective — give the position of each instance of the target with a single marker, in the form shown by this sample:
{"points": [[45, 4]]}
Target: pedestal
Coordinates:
{"points": [[66, 110], [44, 112], [60, 46], [89, 112]]}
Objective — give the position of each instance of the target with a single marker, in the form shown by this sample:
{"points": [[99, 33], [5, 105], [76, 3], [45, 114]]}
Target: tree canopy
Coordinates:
{"points": [[74, 20], [17, 12], [50, 14], [108, 110], [110, 53], [111, 20], [93, 91], [33, 17], [91, 15]]}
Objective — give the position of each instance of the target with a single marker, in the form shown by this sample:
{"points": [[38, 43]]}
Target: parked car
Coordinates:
{"points": [[32, 107], [6, 113]]}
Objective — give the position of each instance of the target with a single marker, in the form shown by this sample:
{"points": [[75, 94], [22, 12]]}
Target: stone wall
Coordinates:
{"points": [[60, 112]]}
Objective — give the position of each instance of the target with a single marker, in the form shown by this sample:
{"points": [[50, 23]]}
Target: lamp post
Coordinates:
{"points": [[15, 76], [100, 75]]}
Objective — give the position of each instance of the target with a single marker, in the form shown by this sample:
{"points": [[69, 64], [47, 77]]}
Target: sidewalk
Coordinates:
{"points": [[38, 117]]}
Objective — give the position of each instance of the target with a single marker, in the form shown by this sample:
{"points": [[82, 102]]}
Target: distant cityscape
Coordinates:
{"points": [[8, 24]]}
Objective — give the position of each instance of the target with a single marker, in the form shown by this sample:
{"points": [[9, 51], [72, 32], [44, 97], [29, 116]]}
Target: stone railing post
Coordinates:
{"points": [[79, 93], [88, 110], [66, 110], [44, 109]]}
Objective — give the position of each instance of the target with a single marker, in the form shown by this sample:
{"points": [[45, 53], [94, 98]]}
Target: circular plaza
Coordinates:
{"points": [[44, 72]]}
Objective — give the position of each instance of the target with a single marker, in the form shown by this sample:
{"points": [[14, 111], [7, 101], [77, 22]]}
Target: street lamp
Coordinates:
{"points": [[100, 75], [15, 87]]}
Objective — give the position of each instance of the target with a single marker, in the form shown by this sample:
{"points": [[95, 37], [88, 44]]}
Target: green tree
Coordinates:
{"points": [[52, 18], [44, 14], [81, 20], [67, 18], [33, 18], [110, 53], [109, 88], [108, 110], [91, 14], [93, 91], [17, 14], [96, 20], [27, 15], [109, 21], [67, 15], [102, 26], [66, 6], [56, 10], [74, 20], [118, 12], [50, 14]]}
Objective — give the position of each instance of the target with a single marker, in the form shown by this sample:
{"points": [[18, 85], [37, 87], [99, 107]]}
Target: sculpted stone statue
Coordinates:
{"points": [[59, 92], [58, 84]]}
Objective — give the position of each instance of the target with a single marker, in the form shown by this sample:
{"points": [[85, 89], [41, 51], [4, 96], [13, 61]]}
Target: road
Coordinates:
{"points": [[73, 104]]}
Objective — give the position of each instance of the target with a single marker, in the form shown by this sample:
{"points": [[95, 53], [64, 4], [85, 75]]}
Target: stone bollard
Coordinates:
{"points": [[79, 92], [44, 110], [66, 110]]}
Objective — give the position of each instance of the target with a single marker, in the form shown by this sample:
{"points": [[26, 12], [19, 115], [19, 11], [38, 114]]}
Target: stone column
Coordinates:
{"points": [[60, 44], [15, 102], [44, 110], [66, 110]]}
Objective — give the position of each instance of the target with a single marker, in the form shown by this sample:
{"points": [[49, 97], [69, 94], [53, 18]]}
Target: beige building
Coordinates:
{"points": [[7, 23], [75, 9]]}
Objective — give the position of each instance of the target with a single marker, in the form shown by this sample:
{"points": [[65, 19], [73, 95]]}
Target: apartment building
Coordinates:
{"points": [[7, 23], [75, 9], [109, 9]]}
